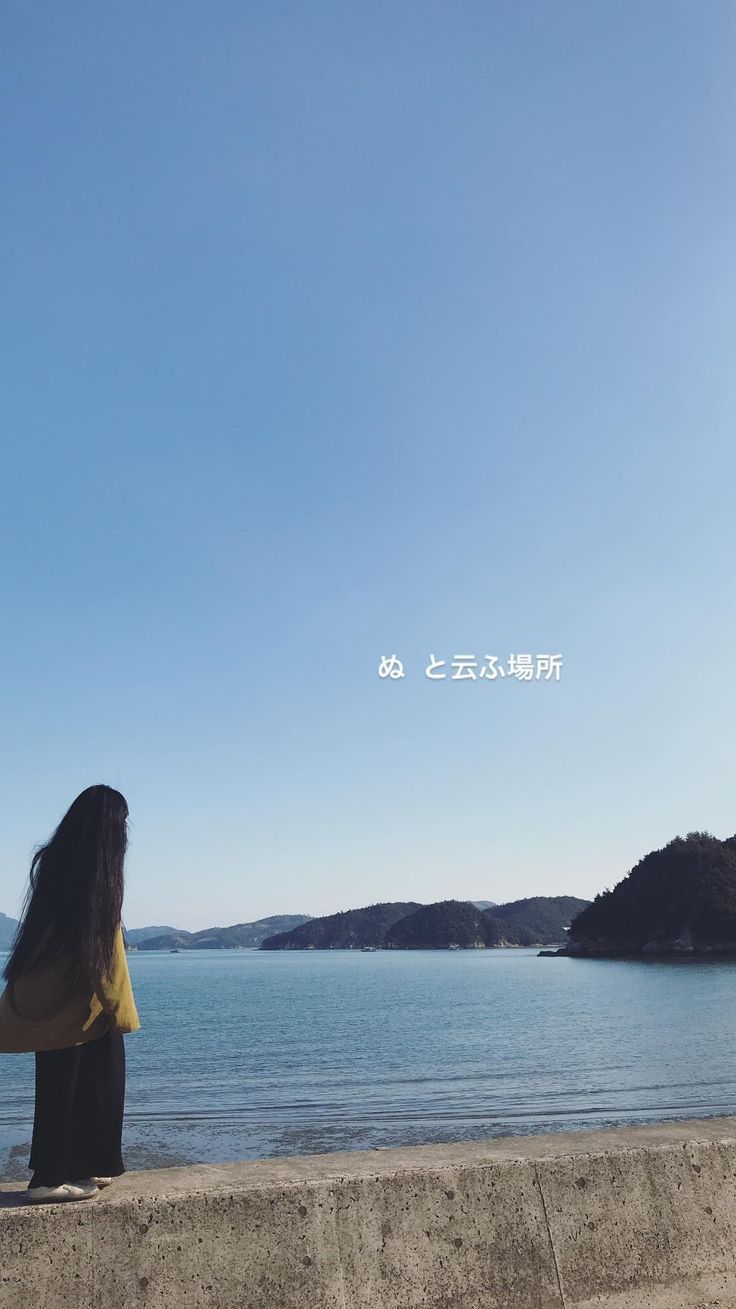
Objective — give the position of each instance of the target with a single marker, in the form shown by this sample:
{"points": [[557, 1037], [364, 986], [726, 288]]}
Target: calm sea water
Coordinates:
{"points": [[244, 1054]]}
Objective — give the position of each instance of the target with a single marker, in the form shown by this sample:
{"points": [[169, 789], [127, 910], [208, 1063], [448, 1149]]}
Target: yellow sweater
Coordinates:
{"points": [[44, 1011]]}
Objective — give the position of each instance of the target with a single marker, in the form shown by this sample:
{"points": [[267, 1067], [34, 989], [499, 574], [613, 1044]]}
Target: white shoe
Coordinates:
{"points": [[100, 1181], [67, 1191]]}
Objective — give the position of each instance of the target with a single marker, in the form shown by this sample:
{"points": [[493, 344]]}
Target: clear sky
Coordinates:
{"points": [[336, 331]]}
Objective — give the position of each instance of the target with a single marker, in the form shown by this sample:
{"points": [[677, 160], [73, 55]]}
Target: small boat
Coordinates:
{"points": [[175, 950], [452, 946], [368, 949]]}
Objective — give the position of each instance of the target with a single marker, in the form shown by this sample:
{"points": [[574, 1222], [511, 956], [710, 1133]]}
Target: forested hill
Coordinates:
{"points": [[677, 900], [354, 927], [545, 918], [540, 920], [240, 935], [452, 922], [137, 935]]}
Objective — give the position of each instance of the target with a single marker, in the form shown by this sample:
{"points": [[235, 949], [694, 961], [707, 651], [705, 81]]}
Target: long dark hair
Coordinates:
{"points": [[75, 892]]}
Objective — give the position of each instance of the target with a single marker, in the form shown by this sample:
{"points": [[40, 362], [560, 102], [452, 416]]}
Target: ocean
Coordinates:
{"points": [[245, 1054]]}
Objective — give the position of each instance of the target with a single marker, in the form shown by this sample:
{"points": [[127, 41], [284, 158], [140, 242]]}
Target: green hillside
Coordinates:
{"points": [[539, 920], [137, 935], [677, 900], [352, 928], [238, 936], [451, 922], [544, 918], [396, 924]]}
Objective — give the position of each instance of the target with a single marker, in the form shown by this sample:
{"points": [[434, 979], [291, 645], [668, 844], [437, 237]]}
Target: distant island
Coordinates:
{"points": [[7, 931], [677, 901], [137, 935], [394, 925], [451, 923], [239, 936], [343, 931], [447, 924]]}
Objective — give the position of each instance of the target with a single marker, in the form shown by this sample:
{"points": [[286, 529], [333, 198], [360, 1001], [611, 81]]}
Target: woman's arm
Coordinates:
{"points": [[114, 991]]}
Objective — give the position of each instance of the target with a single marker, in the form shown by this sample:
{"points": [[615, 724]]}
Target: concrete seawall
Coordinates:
{"points": [[634, 1218]]}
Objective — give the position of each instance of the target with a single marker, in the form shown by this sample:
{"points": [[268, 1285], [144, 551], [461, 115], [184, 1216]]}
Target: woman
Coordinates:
{"points": [[68, 998]]}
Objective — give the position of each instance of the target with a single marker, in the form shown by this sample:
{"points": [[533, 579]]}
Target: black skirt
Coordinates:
{"points": [[78, 1117]]}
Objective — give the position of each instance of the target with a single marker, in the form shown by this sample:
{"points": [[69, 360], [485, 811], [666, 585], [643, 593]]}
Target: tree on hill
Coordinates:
{"points": [[451, 922], [241, 935], [136, 935], [502, 931], [352, 928], [678, 898], [238, 936], [539, 920], [546, 918], [171, 941]]}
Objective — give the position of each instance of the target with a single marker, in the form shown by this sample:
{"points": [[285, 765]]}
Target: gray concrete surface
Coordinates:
{"points": [[638, 1218]]}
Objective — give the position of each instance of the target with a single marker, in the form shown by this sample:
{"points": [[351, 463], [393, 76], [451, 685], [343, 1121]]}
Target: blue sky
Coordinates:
{"points": [[340, 331]]}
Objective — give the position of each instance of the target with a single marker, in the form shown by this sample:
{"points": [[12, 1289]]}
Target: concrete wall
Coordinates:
{"points": [[631, 1218]]}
